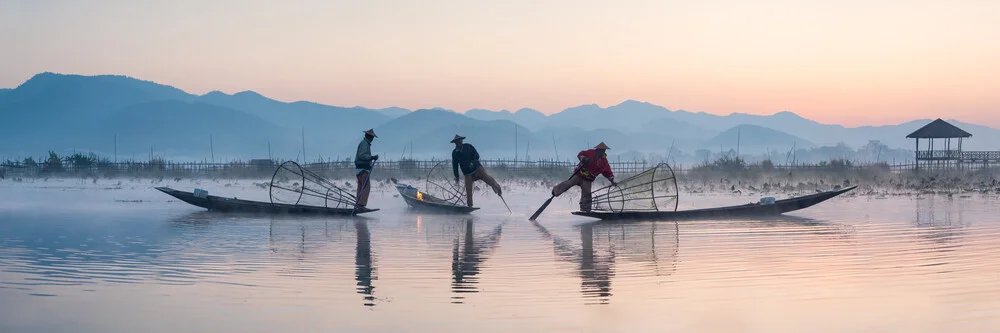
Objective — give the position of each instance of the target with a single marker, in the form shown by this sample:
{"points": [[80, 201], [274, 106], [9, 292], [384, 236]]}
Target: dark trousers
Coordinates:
{"points": [[479, 174], [585, 186], [364, 188]]}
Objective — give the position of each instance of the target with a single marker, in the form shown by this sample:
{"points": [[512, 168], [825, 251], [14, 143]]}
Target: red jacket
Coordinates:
{"points": [[595, 165]]}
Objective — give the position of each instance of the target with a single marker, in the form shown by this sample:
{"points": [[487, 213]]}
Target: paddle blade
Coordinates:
{"points": [[540, 209], [505, 205]]}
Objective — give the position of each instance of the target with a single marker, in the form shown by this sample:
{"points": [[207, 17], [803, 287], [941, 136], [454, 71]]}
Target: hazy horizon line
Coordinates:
{"points": [[463, 112]]}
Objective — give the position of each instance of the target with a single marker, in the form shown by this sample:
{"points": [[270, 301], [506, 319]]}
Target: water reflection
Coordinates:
{"points": [[193, 221], [595, 271], [298, 238], [780, 226], [602, 244], [930, 213], [54, 250], [468, 253], [920, 257], [364, 263], [651, 249], [941, 229]]}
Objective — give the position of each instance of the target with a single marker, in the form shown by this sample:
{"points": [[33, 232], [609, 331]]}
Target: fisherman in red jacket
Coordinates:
{"points": [[593, 162]]}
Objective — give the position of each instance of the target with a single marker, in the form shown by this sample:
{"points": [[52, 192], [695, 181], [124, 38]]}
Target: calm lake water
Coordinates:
{"points": [[82, 257]]}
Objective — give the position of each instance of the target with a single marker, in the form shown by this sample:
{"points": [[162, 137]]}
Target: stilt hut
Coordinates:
{"points": [[939, 151]]}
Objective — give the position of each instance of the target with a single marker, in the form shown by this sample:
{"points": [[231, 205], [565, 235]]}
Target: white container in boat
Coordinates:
{"points": [[767, 200], [200, 193]]}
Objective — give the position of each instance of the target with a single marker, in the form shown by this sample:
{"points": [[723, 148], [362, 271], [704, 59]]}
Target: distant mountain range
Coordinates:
{"points": [[87, 113], [529, 118]]}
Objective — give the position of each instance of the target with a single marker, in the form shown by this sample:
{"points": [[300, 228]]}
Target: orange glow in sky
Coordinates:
{"points": [[850, 62]]}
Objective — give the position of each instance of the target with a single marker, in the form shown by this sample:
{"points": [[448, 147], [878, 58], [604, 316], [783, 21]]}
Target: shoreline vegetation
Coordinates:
{"points": [[722, 175]]}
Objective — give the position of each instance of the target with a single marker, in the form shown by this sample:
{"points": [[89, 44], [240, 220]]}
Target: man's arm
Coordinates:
{"points": [[454, 164], [475, 154], [610, 175]]}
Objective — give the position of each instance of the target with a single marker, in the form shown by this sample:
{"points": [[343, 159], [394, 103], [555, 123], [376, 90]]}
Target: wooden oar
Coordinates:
{"points": [[505, 204], [547, 202]]}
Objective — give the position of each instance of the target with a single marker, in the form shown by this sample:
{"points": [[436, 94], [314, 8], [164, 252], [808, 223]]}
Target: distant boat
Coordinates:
{"points": [[223, 204], [424, 201]]}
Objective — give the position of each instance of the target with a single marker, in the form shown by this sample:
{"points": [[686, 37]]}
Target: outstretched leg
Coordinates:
{"points": [[565, 186], [489, 181]]}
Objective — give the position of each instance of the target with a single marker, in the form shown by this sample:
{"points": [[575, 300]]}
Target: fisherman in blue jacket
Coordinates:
{"points": [[466, 157]]}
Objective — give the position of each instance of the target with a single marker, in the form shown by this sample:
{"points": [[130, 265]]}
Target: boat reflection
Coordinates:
{"points": [[601, 245], [655, 246], [468, 254]]}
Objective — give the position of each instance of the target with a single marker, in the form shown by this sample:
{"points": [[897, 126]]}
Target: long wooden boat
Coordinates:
{"points": [[222, 204], [747, 210], [426, 202]]}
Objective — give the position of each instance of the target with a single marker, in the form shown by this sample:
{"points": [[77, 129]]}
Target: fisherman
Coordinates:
{"points": [[466, 157], [593, 162], [363, 161]]}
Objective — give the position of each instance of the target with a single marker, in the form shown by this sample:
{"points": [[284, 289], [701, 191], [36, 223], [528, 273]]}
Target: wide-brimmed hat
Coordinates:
{"points": [[371, 132], [457, 138], [601, 146]]}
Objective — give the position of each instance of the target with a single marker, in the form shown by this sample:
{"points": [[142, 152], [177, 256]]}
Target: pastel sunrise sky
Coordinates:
{"points": [[850, 62]]}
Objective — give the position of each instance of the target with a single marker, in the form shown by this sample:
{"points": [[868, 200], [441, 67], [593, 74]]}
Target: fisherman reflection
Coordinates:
{"points": [[595, 271], [300, 241], [364, 263], [468, 254]]}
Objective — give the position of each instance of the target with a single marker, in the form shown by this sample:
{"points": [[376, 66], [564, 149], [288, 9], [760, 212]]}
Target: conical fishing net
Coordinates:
{"points": [[440, 183], [652, 190], [294, 185]]}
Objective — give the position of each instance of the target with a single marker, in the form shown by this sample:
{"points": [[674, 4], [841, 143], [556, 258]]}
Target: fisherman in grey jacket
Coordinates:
{"points": [[363, 161]]}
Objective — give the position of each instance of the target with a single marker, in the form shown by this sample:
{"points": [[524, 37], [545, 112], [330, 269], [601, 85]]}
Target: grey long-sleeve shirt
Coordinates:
{"points": [[363, 158]]}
